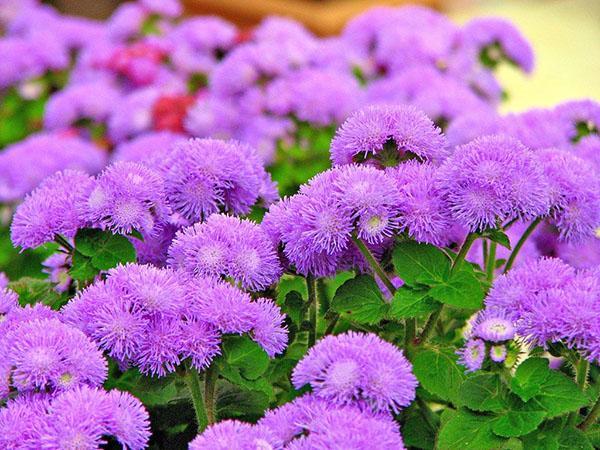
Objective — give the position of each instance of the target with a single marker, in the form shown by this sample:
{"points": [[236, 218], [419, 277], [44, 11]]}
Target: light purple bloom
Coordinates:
{"points": [[583, 117], [209, 175], [20, 420], [537, 128], [472, 355], [493, 325], [25, 164], [355, 367], [126, 196], [49, 356], [492, 179], [233, 434], [498, 353], [151, 148], [581, 255], [388, 135], [57, 267], [50, 210]]}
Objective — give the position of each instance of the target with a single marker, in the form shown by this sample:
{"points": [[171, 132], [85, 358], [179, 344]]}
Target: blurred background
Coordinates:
{"points": [[565, 34]]}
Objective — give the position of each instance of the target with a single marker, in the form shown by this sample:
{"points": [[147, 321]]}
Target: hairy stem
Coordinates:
{"points": [[374, 264], [313, 301], [410, 329], [210, 384], [582, 368], [62, 241], [490, 264], [591, 417], [530, 229], [193, 382]]}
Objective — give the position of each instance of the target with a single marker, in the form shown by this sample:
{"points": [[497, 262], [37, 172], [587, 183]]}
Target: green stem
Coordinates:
{"points": [[313, 301], [374, 264], [581, 374], [193, 381], [490, 265], [591, 417], [410, 330], [427, 414], [511, 259], [62, 241], [430, 325], [210, 384], [332, 325]]}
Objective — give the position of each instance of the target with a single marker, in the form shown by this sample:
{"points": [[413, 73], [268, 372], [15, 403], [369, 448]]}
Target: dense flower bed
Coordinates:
{"points": [[270, 240]]}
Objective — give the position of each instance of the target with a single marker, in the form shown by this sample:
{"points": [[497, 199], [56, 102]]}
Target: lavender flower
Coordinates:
{"points": [[233, 434], [472, 355], [581, 255], [537, 128], [424, 213], [494, 179], [583, 117], [497, 39], [85, 416], [352, 367], [575, 194], [498, 353], [25, 164], [589, 149], [230, 247], [493, 326], [47, 355], [57, 267], [151, 148], [133, 115], [20, 419], [125, 197], [389, 135], [208, 176], [50, 210]]}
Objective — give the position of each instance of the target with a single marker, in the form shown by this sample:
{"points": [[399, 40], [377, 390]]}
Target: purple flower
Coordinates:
{"points": [[498, 353], [575, 194], [233, 434], [492, 179], [84, 101], [133, 115], [208, 176], [212, 116], [57, 267], [537, 128], [84, 417], [231, 310], [125, 197], [155, 246], [581, 255], [497, 39], [424, 213], [355, 367], [467, 127], [9, 300], [493, 325], [150, 148], [472, 355], [47, 355], [50, 210], [20, 419], [295, 95], [229, 247], [589, 149], [388, 135], [25, 164], [583, 117]]}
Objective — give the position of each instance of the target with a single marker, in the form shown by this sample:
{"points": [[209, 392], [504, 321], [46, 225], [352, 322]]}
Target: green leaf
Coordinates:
{"points": [[466, 430], [593, 435], [484, 393], [82, 268], [409, 303], [244, 354], [558, 395], [107, 250], [234, 402], [360, 301], [462, 290], [499, 237], [294, 307], [552, 435], [416, 433], [33, 290], [529, 376], [420, 263], [518, 423], [438, 372]]}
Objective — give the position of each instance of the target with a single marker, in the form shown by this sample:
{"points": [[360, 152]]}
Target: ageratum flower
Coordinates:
{"points": [[155, 246], [498, 353], [229, 247], [21, 419], [50, 210], [231, 310], [350, 428], [316, 225], [150, 148], [386, 136], [92, 100], [355, 367], [25, 164], [56, 266], [49, 356], [9, 300], [233, 434], [537, 128], [493, 179], [493, 326], [497, 39], [126, 196], [424, 213], [582, 116], [295, 95], [581, 255], [467, 127], [472, 355], [589, 149], [85, 417], [141, 316], [575, 194], [209, 175]]}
